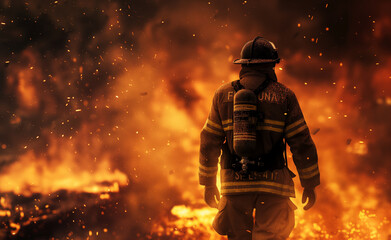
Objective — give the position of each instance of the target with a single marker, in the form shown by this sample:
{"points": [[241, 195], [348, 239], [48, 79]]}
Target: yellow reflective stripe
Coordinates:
{"points": [[245, 107], [274, 122], [208, 129], [308, 169], [307, 175], [207, 174], [294, 124], [226, 121], [291, 134], [245, 138], [208, 121], [228, 128], [259, 127], [208, 168], [269, 128], [260, 189], [270, 121], [273, 184]]}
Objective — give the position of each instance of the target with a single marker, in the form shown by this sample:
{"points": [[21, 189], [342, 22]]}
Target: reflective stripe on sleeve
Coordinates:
{"points": [[208, 129], [213, 128], [208, 168], [290, 126], [308, 172], [207, 171], [293, 133], [213, 124], [309, 169], [310, 175]]}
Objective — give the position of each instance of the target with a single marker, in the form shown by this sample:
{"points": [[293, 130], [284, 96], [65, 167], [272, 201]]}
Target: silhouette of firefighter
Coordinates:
{"points": [[250, 122]]}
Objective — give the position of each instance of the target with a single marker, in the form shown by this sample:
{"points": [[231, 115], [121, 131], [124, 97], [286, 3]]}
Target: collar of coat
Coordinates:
{"points": [[247, 71]]}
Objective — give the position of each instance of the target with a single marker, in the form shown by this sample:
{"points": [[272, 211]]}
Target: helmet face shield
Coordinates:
{"points": [[258, 51]]}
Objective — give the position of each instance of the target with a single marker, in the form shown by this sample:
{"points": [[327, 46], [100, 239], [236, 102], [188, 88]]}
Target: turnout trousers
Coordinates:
{"points": [[273, 217]]}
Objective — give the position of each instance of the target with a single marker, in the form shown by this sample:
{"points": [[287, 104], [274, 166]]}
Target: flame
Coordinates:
{"points": [[43, 176]]}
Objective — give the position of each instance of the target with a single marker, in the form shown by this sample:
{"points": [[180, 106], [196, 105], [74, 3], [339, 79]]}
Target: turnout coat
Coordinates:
{"points": [[282, 120]]}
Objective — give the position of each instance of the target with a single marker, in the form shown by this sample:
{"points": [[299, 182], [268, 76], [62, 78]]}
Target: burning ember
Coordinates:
{"points": [[102, 103]]}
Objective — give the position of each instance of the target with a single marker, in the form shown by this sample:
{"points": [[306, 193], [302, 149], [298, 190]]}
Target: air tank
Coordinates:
{"points": [[245, 123]]}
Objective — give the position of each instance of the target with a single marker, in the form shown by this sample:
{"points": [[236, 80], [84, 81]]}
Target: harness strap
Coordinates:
{"points": [[261, 87], [238, 86]]}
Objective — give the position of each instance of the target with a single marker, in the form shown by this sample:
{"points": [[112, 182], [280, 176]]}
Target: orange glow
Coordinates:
{"points": [[111, 112], [45, 177]]}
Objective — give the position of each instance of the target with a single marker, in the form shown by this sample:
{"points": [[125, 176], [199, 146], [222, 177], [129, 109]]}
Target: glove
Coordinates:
{"points": [[308, 193], [211, 196]]}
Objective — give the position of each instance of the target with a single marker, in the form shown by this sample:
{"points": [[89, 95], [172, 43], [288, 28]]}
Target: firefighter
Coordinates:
{"points": [[249, 124]]}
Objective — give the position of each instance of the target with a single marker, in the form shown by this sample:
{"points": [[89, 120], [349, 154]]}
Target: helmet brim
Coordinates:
{"points": [[255, 61]]}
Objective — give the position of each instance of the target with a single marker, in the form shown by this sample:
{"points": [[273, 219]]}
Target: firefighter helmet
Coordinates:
{"points": [[258, 50]]}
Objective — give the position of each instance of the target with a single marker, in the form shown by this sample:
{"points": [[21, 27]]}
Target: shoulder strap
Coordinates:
{"points": [[237, 86], [261, 87]]}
